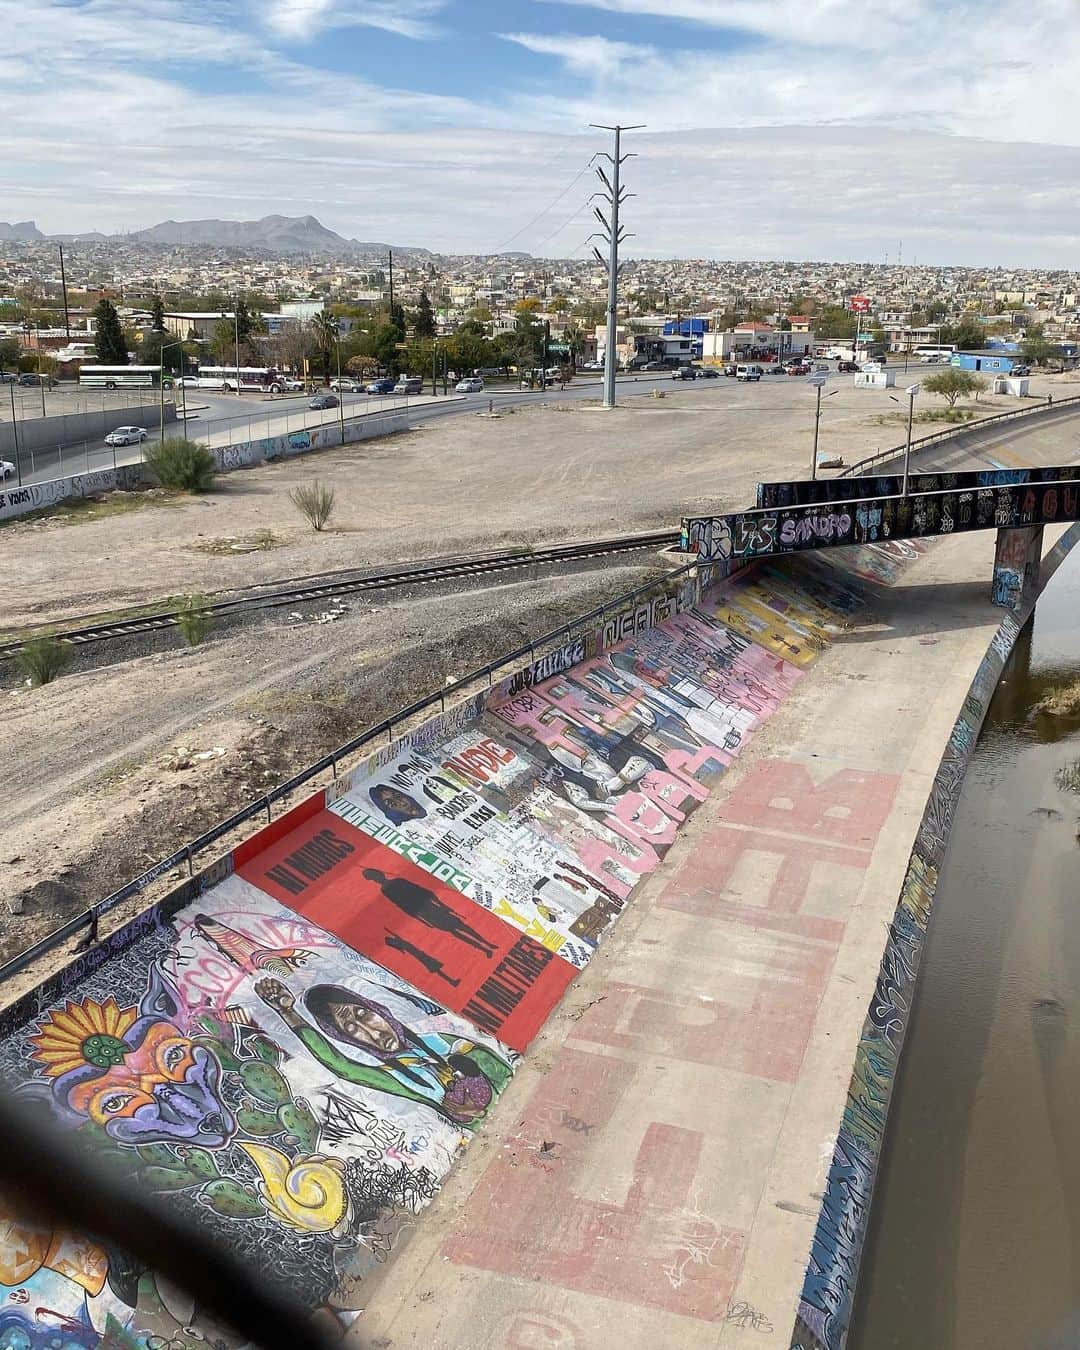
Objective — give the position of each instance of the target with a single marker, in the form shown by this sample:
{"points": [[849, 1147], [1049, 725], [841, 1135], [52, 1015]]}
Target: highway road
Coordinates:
{"points": [[224, 418]]}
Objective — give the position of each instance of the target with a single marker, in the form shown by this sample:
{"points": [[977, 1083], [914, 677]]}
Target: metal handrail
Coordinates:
{"points": [[88, 919], [853, 470]]}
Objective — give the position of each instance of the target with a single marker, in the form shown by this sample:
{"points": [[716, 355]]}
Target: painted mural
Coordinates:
{"points": [[294, 1057]]}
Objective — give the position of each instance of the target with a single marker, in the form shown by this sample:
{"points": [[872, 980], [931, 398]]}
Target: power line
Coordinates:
{"points": [[582, 206], [554, 202]]}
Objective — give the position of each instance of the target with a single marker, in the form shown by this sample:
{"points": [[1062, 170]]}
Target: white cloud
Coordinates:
{"points": [[596, 58], [303, 19]]}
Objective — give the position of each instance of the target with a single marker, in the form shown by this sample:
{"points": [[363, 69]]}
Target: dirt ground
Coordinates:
{"points": [[108, 770], [538, 475]]}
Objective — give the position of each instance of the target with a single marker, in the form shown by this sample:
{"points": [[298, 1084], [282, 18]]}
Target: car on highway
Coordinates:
{"points": [[799, 368], [684, 373], [323, 401], [847, 368], [591, 365], [385, 385], [708, 373], [731, 369], [7, 470], [126, 436], [409, 384], [472, 384], [748, 372], [344, 386]]}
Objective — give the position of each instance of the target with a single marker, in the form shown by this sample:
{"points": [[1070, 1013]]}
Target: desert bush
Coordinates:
{"points": [[182, 465], [42, 659], [195, 620], [315, 501]]}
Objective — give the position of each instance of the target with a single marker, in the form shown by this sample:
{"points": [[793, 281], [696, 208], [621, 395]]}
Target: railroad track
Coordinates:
{"points": [[337, 584]]}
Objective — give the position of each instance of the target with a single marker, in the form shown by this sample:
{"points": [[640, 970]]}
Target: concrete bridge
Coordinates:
{"points": [[796, 517]]}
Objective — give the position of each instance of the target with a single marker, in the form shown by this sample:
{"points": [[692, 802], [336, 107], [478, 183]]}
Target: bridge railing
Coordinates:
{"points": [[951, 433]]}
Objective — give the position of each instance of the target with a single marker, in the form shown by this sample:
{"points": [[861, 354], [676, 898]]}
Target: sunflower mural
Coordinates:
{"points": [[167, 1099]]}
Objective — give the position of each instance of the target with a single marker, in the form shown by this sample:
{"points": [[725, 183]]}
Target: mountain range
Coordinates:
{"points": [[274, 234]]}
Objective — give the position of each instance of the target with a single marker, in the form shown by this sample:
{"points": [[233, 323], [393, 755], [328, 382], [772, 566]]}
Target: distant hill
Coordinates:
{"points": [[25, 231], [275, 234]]}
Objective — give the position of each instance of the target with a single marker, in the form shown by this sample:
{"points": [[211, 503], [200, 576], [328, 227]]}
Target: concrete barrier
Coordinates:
{"points": [[46, 433], [20, 501]]}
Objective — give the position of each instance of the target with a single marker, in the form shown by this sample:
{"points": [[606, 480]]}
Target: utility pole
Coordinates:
{"points": [[63, 286], [236, 332], [390, 253], [615, 196]]}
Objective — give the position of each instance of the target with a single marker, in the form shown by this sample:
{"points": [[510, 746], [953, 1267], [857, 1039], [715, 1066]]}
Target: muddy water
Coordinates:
{"points": [[975, 1236]]}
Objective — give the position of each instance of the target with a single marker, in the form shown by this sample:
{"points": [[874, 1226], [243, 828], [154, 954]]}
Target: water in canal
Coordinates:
{"points": [[974, 1240]]}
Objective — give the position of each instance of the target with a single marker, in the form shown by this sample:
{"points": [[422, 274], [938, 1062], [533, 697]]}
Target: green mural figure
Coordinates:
{"points": [[467, 1077]]}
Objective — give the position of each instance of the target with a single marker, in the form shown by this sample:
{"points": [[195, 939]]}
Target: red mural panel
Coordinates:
{"points": [[654, 1249], [406, 920]]}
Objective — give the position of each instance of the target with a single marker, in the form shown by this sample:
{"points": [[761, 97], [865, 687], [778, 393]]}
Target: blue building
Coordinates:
{"points": [[987, 362]]}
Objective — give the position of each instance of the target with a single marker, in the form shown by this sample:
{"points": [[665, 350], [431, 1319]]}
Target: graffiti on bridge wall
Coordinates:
{"points": [[755, 534], [807, 491]]}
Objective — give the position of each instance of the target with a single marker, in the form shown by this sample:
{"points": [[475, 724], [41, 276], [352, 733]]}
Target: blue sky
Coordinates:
{"points": [[792, 128]]}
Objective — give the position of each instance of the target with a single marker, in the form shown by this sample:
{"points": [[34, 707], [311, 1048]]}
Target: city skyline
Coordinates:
{"points": [[774, 130]]}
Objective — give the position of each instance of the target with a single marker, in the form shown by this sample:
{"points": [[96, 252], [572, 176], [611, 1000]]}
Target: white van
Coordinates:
{"points": [[748, 372]]}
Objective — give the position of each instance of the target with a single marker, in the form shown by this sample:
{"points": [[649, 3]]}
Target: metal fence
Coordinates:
{"points": [[34, 465], [953, 432]]}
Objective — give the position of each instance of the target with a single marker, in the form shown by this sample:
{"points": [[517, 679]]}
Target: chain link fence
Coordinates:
{"points": [[255, 420]]}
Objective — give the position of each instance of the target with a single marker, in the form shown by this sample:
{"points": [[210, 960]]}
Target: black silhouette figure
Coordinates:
{"points": [[425, 959], [425, 906]]}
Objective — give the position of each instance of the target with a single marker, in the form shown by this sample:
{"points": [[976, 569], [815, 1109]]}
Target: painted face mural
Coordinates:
{"points": [[139, 1077]]}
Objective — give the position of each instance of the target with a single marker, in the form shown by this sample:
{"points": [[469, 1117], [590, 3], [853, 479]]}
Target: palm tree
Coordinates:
{"points": [[324, 328], [574, 337]]}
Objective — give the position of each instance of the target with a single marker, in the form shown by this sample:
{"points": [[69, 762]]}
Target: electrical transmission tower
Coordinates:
{"points": [[615, 196]]}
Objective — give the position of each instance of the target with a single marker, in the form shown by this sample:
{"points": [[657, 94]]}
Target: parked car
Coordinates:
{"points": [[472, 384], [7, 377], [7, 470], [346, 386], [798, 369], [409, 384], [748, 372], [1020, 370], [381, 386], [683, 373], [591, 365], [731, 369], [847, 368], [653, 366], [323, 401], [126, 436], [708, 373]]}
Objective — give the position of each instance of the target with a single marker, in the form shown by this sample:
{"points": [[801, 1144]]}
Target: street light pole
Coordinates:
{"points": [[817, 426], [911, 391], [236, 333], [166, 346], [340, 391], [15, 435]]}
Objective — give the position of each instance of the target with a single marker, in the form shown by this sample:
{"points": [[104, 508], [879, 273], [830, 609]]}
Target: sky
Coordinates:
{"points": [[937, 131]]}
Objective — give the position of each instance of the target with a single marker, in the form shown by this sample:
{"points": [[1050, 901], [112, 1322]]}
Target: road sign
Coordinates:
{"points": [[816, 380]]}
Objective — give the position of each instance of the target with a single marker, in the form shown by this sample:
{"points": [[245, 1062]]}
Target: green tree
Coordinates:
{"points": [[953, 384], [1036, 351], [109, 344], [384, 342], [9, 354], [574, 337], [223, 342], [325, 331], [424, 318], [965, 335], [834, 321], [157, 313], [157, 344], [479, 314], [247, 321]]}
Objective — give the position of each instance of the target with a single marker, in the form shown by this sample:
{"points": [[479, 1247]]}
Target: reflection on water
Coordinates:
{"points": [[974, 1240]]}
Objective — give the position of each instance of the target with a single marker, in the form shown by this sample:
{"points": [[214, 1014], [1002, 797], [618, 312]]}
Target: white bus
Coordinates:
{"points": [[120, 377], [264, 379], [930, 352]]}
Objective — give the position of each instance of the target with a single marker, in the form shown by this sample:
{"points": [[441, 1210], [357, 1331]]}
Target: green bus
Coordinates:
{"points": [[120, 377]]}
